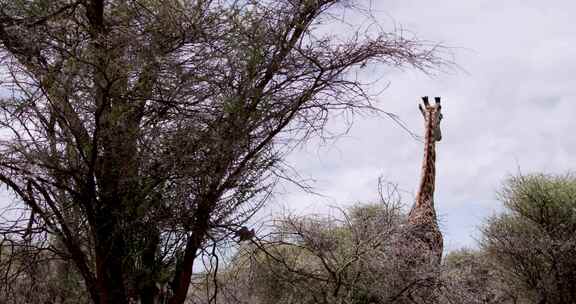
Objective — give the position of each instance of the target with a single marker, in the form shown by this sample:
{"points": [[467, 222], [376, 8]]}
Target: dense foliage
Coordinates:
{"points": [[533, 244]]}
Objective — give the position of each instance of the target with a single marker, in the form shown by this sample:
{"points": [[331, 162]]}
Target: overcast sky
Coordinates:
{"points": [[511, 110]]}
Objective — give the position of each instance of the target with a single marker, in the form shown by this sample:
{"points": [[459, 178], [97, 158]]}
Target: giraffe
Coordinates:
{"points": [[422, 222]]}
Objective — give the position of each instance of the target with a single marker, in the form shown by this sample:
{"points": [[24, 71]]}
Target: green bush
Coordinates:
{"points": [[533, 243]]}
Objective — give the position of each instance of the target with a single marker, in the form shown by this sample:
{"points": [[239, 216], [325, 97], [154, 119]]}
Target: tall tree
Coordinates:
{"points": [[135, 133]]}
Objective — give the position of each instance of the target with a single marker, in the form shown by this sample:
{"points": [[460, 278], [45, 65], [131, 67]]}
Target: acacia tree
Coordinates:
{"points": [[532, 245], [135, 133]]}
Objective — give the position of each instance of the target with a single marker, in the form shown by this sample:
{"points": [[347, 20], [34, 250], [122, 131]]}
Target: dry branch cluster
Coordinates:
{"points": [[361, 256]]}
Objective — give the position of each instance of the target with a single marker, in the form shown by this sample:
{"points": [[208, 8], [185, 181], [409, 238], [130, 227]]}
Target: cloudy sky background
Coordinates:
{"points": [[510, 109]]}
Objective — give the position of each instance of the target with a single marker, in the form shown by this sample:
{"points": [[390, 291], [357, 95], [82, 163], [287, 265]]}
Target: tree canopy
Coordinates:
{"points": [[533, 244]]}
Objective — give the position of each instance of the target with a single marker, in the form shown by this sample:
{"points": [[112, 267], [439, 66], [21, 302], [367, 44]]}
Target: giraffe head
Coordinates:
{"points": [[432, 116]]}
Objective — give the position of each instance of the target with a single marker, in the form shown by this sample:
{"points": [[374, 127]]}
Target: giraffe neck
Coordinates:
{"points": [[425, 196], [422, 218]]}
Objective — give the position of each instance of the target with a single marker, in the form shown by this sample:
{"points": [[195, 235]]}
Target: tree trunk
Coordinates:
{"points": [[109, 256]]}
